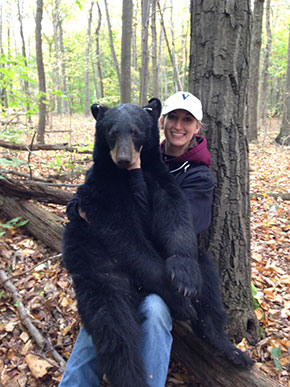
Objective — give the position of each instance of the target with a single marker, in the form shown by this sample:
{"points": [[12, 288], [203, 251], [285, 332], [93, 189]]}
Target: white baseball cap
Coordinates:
{"points": [[183, 100]]}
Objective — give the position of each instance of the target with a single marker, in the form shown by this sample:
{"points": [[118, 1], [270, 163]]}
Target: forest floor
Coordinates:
{"points": [[46, 290]]}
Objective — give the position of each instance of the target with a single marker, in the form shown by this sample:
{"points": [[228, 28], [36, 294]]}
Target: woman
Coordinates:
{"points": [[188, 159]]}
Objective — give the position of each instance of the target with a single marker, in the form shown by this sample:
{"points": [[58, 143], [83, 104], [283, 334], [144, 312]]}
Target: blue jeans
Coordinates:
{"points": [[155, 347]]}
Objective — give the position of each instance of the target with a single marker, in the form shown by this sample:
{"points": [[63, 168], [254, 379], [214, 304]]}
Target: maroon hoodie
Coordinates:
{"points": [[198, 155]]}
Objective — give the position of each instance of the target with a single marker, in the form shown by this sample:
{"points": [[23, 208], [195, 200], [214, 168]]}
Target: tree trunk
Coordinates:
{"points": [[63, 71], [283, 137], [127, 18], [144, 73], [2, 89], [87, 61], [116, 63], [98, 53], [155, 67], [218, 76], [262, 104], [56, 75], [171, 53], [41, 74], [135, 79], [26, 83], [254, 68]]}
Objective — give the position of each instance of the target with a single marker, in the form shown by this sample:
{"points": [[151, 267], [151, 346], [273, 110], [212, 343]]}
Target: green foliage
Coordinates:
{"points": [[13, 73], [13, 223], [276, 353], [14, 162]]}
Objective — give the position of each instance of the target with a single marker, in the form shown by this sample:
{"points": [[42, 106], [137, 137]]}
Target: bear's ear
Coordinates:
{"points": [[98, 111], [154, 107]]}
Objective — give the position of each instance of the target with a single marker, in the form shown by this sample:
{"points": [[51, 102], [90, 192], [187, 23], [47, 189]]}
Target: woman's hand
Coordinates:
{"points": [[137, 163]]}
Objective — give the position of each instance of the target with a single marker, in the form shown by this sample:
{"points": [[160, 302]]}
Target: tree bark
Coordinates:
{"points": [[218, 76], [41, 75], [283, 137], [254, 68], [262, 103], [127, 18], [144, 73]]}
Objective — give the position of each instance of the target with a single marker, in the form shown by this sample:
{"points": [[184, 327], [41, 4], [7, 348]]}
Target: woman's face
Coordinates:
{"points": [[179, 128]]}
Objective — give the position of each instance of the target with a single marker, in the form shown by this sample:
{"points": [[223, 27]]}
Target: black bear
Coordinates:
{"points": [[117, 257]]}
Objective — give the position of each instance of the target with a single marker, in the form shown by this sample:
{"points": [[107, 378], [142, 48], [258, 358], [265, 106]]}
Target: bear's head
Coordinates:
{"points": [[122, 130]]}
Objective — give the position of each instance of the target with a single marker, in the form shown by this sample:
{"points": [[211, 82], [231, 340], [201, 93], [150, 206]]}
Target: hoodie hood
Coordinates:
{"points": [[199, 154]]}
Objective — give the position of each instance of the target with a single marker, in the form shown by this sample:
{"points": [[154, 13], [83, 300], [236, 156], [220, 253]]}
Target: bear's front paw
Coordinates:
{"points": [[183, 275]]}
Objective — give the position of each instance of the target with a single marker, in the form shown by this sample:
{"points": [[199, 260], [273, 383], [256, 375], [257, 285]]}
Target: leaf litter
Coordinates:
{"points": [[47, 293]]}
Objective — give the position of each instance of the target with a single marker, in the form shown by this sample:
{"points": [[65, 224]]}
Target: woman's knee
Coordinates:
{"points": [[156, 311]]}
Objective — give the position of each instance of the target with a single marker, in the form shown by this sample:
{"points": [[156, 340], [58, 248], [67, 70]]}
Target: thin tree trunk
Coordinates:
{"points": [[56, 75], [262, 107], [254, 68], [26, 83], [116, 63], [144, 74], [135, 80], [176, 78], [3, 89], [63, 70], [155, 67], [218, 76], [87, 60], [41, 74], [98, 53], [284, 136], [127, 18]]}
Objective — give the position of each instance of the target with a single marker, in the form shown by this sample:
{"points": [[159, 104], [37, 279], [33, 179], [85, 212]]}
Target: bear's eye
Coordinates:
{"points": [[113, 132], [133, 131]]}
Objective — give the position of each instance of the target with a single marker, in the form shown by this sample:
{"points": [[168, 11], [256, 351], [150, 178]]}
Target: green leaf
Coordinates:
{"points": [[278, 364], [276, 352]]}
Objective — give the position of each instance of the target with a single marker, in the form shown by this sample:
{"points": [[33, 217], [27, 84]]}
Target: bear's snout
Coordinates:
{"points": [[123, 153]]}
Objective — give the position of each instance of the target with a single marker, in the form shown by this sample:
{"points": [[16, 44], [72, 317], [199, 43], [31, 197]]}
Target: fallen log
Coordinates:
{"points": [[191, 352], [43, 225], [211, 370], [28, 189], [37, 147]]}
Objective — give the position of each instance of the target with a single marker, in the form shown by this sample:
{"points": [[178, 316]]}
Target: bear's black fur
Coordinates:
{"points": [[117, 257]]}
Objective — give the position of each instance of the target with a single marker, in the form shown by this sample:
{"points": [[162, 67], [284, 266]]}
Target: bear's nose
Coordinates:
{"points": [[123, 162]]}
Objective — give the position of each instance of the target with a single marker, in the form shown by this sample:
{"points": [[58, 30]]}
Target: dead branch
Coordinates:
{"points": [[37, 147], [26, 189], [25, 319]]}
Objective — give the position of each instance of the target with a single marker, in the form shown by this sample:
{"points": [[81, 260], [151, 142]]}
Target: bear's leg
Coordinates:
{"points": [[211, 314], [112, 319]]}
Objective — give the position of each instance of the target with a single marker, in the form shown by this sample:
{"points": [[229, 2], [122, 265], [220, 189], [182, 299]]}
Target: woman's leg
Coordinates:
{"points": [[156, 339], [81, 368]]}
